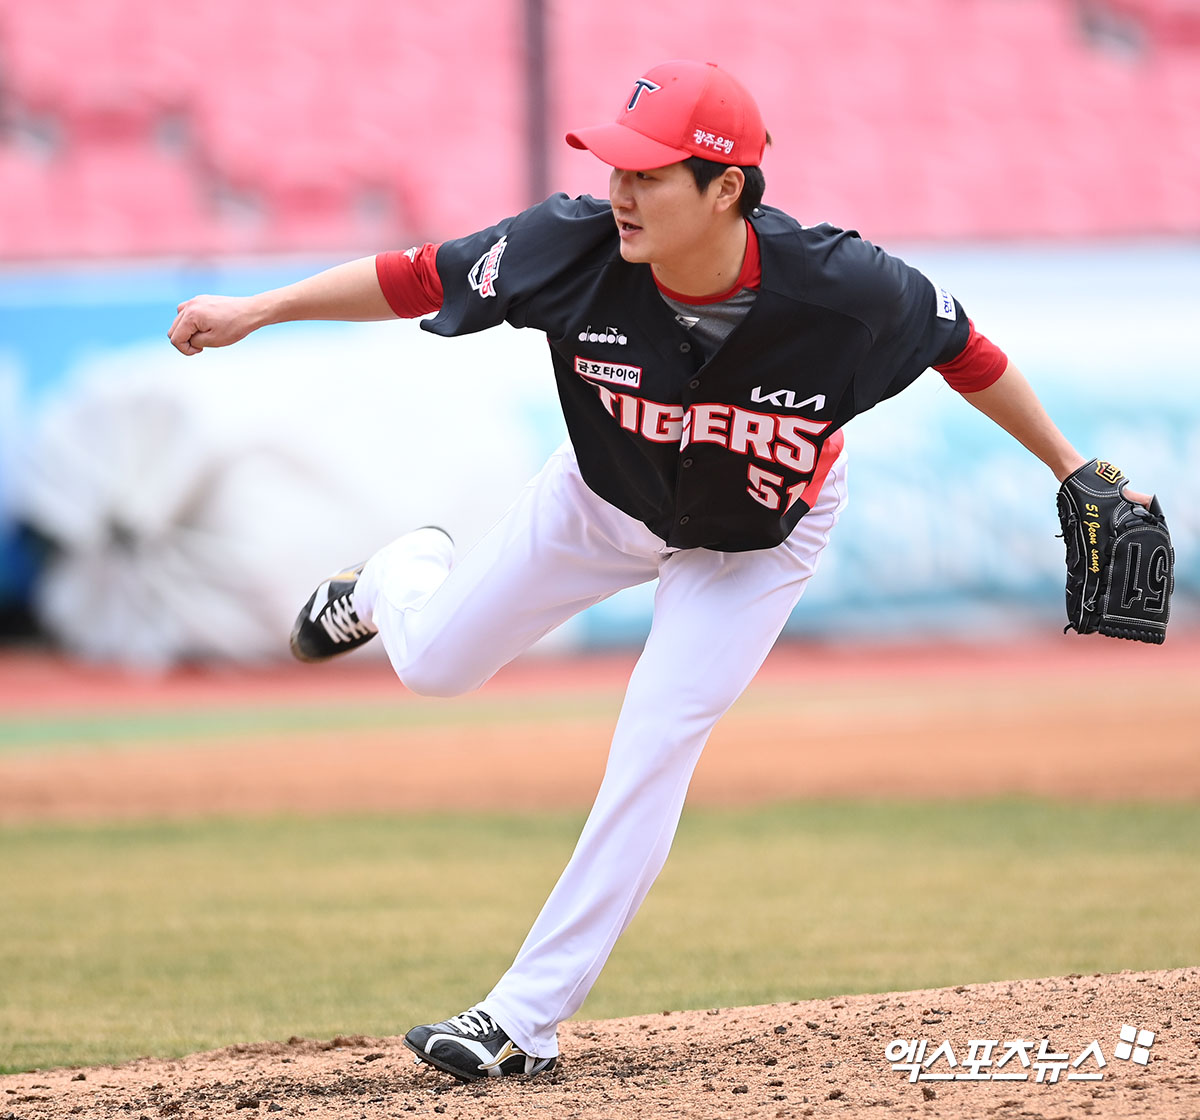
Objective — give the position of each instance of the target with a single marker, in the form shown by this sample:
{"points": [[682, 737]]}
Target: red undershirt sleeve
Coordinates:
{"points": [[409, 281], [979, 365]]}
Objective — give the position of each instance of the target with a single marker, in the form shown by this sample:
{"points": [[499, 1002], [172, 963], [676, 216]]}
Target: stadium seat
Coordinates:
{"points": [[1169, 24], [29, 228], [286, 125], [129, 200]]}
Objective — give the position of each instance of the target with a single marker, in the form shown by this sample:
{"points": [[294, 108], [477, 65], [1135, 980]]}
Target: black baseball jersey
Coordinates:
{"points": [[712, 453]]}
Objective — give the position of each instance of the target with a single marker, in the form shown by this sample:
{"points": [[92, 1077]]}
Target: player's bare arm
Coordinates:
{"points": [[347, 293], [1011, 402]]}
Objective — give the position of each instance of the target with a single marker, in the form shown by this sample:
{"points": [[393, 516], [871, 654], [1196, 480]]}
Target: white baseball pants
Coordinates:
{"points": [[559, 549]]}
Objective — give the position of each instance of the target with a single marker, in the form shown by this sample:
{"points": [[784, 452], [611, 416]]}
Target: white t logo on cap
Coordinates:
{"points": [[642, 85]]}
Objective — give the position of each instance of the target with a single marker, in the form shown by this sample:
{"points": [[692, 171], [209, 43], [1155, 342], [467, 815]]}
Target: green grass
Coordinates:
{"points": [[121, 940]]}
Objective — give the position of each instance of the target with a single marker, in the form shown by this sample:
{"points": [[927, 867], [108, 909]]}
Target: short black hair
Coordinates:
{"points": [[704, 171]]}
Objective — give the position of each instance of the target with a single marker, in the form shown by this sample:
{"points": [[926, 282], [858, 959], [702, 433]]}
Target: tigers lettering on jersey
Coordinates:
{"points": [[764, 435], [484, 271]]}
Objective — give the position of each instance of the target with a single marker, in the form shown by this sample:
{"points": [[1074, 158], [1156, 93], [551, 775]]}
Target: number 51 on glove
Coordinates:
{"points": [[1120, 563]]}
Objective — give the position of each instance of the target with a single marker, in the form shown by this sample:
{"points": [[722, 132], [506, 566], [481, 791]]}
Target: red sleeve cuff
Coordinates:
{"points": [[409, 281], [979, 365]]}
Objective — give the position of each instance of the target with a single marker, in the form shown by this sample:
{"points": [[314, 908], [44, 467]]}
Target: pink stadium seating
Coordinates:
{"points": [[128, 199], [139, 128], [1168, 23], [28, 228], [101, 200]]}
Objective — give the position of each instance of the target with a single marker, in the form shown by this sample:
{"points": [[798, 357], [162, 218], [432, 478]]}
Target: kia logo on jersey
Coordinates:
{"points": [[485, 271], [785, 398]]}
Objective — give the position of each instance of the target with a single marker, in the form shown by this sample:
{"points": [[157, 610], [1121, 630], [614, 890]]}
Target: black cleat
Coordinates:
{"points": [[472, 1046], [328, 625]]}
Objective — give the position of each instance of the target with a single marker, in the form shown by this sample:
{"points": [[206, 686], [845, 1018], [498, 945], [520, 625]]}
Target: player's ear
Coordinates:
{"points": [[730, 184]]}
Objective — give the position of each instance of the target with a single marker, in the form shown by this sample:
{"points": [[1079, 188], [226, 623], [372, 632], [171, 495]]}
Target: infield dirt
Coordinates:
{"points": [[1089, 719], [820, 1058]]}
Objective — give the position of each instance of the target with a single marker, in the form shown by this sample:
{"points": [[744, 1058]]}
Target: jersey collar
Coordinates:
{"points": [[749, 277]]}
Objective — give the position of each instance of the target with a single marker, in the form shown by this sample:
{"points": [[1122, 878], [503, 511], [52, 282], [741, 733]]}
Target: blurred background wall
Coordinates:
{"points": [[1041, 158]]}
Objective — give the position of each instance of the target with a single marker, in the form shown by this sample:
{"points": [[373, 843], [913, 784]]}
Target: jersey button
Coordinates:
{"points": [[687, 462], [685, 347], [694, 383], [684, 519]]}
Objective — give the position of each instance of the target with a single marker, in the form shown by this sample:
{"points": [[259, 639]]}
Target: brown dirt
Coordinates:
{"points": [[1081, 718], [1084, 718], [822, 1058]]}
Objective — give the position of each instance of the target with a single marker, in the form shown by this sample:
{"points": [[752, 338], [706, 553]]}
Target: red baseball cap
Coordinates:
{"points": [[680, 109]]}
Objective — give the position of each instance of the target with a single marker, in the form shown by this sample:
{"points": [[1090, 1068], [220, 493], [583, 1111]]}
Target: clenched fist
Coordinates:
{"points": [[205, 321]]}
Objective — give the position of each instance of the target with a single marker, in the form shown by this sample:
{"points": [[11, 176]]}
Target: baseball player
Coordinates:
{"points": [[708, 351]]}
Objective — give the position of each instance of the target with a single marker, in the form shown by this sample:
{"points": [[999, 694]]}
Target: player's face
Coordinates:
{"points": [[662, 217]]}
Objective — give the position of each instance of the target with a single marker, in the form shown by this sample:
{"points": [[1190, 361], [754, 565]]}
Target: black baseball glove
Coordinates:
{"points": [[1120, 563]]}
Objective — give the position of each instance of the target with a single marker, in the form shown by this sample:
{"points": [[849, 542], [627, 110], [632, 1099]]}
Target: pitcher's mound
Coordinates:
{"points": [[1098, 1046]]}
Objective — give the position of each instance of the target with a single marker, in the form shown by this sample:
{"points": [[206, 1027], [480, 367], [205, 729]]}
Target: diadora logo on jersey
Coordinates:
{"points": [[642, 85], [945, 304], [484, 271], [611, 372], [785, 398], [606, 334]]}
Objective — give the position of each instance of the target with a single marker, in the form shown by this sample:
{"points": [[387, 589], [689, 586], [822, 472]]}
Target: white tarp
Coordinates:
{"points": [[195, 503]]}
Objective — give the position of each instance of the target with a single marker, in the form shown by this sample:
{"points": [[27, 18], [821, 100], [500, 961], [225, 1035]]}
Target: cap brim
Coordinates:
{"points": [[622, 147]]}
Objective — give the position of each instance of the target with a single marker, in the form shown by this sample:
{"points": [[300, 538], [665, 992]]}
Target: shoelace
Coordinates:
{"points": [[474, 1022], [340, 621]]}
